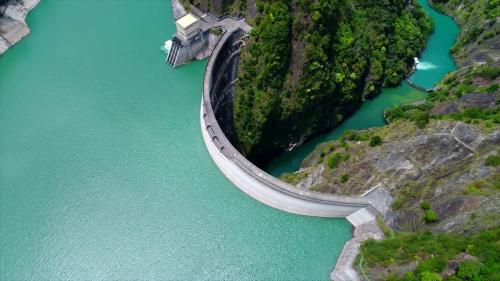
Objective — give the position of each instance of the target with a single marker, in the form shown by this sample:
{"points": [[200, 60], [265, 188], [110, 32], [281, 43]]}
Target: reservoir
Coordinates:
{"points": [[435, 63], [103, 171]]}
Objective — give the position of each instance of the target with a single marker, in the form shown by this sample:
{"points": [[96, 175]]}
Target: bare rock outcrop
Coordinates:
{"points": [[443, 164], [13, 27]]}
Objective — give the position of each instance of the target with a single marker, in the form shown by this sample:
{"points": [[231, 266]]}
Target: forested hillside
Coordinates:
{"points": [[439, 158], [310, 64]]}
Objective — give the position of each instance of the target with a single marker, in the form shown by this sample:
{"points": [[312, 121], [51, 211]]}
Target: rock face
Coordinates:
{"points": [[12, 25], [437, 164]]}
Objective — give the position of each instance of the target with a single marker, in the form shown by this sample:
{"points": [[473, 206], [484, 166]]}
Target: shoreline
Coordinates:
{"points": [[344, 268], [13, 26]]}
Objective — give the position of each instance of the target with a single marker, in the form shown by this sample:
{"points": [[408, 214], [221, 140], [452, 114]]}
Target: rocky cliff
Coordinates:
{"points": [[440, 160], [444, 164], [435, 150]]}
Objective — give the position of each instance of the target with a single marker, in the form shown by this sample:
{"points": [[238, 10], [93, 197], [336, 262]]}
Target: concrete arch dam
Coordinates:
{"points": [[219, 87]]}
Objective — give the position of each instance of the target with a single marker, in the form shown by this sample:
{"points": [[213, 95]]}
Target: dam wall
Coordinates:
{"points": [[219, 87]]}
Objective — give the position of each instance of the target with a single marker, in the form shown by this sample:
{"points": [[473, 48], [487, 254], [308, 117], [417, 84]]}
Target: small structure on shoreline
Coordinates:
{"points": [[188, 41], [197, 34]]}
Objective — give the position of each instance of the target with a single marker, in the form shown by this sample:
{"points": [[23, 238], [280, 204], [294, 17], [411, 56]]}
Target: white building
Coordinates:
{"points": [[188, 26]]}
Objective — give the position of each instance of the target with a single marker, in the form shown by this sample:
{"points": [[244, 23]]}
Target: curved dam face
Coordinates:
{"points": [[216, 125]]}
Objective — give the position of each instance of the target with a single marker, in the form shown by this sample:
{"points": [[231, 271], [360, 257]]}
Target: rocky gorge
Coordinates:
{"points": [[439, 159]]}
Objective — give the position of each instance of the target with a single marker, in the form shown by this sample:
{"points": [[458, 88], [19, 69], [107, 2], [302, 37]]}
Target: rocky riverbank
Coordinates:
{"points": [[178, 9], [13, 26], [437, 164]]}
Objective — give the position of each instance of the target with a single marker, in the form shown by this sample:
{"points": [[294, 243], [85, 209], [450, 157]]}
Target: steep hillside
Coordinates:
{"points": [[309, 64], [441, 151], [439, 159]]}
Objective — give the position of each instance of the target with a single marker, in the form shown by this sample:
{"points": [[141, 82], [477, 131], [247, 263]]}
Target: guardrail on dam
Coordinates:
{"points": [[219, 87]]}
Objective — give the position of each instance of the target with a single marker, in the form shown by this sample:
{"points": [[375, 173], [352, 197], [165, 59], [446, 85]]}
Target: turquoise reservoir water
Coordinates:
{"points": [[435, 63], [103, 172], [435, 60]]}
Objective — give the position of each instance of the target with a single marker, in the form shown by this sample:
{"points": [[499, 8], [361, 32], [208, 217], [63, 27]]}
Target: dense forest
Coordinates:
{"points": [[310, 64]]}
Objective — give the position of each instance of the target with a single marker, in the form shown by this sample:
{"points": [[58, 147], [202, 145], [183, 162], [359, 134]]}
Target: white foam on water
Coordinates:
{"points": [[423, 65]]}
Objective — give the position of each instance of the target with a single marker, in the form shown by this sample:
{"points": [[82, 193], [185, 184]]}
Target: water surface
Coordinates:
{"points": [[435, 60], [103, 171]]}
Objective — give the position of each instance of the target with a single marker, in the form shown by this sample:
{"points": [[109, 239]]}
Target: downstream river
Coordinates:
{"points": [[435, 63], [103, 170]]}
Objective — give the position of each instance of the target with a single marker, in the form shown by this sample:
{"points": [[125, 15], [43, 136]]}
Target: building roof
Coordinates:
{"points": [[187, 20]]}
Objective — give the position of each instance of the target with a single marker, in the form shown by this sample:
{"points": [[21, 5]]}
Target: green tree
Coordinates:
{"points": [[375, 141], [492, 160], [425, 205], [334, 160], [344, 177], [469, 270], [430, 216], [430, 276]]}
